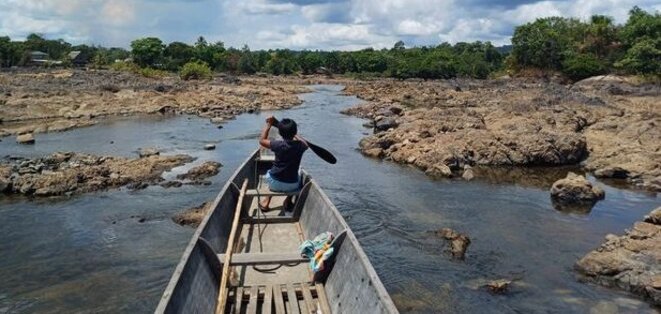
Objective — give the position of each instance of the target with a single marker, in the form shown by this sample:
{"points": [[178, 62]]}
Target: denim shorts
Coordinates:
{"points": [[279, 186]]}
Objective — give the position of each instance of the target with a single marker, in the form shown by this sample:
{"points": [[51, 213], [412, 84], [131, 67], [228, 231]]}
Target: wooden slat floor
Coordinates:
{"points": [[269, 288], [279, 299]]}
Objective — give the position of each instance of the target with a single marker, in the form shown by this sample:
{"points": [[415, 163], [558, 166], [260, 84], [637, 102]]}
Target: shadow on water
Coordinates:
{"points": [[91, 253]]}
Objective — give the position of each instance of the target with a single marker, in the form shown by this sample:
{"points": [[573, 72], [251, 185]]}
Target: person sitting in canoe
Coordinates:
{"points": [[283, 176]]}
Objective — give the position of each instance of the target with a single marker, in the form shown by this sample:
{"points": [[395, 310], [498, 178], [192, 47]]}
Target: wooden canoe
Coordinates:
{"points": [[267, 274]]}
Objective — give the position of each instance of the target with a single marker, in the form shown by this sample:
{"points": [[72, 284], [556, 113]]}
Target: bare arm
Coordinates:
{"points": [[264, 136]]}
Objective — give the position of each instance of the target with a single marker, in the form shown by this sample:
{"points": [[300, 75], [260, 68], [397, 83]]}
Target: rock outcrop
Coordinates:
{"points": [[74, 173], [41, 101], [631, 262], [201, 172], [515, 122], [193, 216]]}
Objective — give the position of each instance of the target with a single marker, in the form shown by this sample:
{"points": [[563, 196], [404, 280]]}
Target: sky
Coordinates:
{"points": [[294, 24]]}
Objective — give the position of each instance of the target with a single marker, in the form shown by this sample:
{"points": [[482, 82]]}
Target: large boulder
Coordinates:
{"points": [[576, 189]]}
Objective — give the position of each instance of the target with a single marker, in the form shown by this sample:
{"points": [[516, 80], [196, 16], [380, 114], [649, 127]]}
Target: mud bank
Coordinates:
{"points": [[608, 125]]}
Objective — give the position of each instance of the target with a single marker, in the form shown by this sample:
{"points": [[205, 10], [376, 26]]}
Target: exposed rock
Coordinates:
{"points": [[203, 171], [25, 139], [439, 170], [498, 286], [209, 147], [73, 173], [654, 217], [217, 120], [631, 262], [386, 123], [45, 102], [468, 174], [192, 216], [458, 242], [575, 189], [518, 122], [146, 152], [612, 172], [171, 184]]}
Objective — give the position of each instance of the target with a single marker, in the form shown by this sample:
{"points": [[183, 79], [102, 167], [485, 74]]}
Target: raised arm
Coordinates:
{"points": [[264, 136]]}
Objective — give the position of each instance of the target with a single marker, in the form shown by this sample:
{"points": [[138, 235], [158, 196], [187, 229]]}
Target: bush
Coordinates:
{"points": [[153, 73], [125, 67], [195, 71], [580, 66]]}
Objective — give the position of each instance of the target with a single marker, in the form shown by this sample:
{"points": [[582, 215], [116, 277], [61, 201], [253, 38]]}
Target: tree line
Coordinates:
{"points": [[575, 48]]}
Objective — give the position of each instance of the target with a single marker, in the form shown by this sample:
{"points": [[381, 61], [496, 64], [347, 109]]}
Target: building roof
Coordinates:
{"points": [[74, 54]]}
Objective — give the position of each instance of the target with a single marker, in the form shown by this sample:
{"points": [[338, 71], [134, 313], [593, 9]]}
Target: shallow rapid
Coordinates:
{"points": [[115, 251]]}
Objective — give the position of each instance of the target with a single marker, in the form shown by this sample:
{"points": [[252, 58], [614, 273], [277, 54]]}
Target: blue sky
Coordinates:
{"points": [[296, 24]]}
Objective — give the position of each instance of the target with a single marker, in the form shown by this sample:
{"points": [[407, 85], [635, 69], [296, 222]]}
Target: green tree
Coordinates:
{"points": [[641, 36], [176, 54], [147, 52], [246, 62]]}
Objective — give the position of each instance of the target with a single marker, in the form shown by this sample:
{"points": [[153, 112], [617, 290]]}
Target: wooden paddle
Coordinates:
{"points": [[319, 151], [222, 291]]}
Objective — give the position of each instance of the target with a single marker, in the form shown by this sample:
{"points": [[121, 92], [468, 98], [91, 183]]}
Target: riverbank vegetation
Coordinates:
{"points": [[571, 47]]}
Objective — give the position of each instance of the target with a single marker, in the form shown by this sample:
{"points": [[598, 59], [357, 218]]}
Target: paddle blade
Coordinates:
{"points": [[323, 154]]}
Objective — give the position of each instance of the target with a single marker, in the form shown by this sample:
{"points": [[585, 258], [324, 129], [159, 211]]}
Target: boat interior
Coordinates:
{"points": [[267, 272]]}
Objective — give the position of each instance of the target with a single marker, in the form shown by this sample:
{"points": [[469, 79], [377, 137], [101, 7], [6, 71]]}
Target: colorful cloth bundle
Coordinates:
{"points": [[318, 250]]}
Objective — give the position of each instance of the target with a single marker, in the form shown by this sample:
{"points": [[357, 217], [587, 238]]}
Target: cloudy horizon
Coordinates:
{"points": [[294, 24]]}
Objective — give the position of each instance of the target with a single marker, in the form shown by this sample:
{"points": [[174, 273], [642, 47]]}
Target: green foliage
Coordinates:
{"points": [[580, 49], [176, 54], [195, 70], [641, 36], [580, 66], [643, 58], [576, 48], [147, 51], [153, 73], [123, 66]]}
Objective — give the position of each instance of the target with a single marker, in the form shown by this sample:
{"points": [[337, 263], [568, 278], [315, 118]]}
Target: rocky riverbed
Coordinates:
{"points": [[631, 262], [36, 102], [75, 173], [610, 125]]}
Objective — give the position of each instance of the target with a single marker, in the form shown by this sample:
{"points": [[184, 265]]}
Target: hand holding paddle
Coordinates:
{"points": [[319, 151]]}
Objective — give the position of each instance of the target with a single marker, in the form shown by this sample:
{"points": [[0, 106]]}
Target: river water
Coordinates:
{"points": [[91, 253]]}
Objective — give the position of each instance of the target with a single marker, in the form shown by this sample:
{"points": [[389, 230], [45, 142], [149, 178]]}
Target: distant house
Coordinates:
{"points": [[78, 58], [38, 57]]}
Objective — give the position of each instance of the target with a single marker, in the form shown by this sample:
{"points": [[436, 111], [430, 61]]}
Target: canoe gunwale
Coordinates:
{"points": [[175, 279]]}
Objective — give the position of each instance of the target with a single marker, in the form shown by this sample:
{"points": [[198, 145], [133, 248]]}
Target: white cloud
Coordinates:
{"points": [[313, 24]]}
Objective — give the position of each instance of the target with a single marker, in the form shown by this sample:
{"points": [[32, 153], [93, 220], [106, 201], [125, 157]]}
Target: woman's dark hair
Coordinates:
{"points": [[287, 128]]}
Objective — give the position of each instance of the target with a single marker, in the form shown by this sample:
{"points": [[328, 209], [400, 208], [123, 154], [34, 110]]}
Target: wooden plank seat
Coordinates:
{"points": [[243, 259], [267, 192], [266, 158]]}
